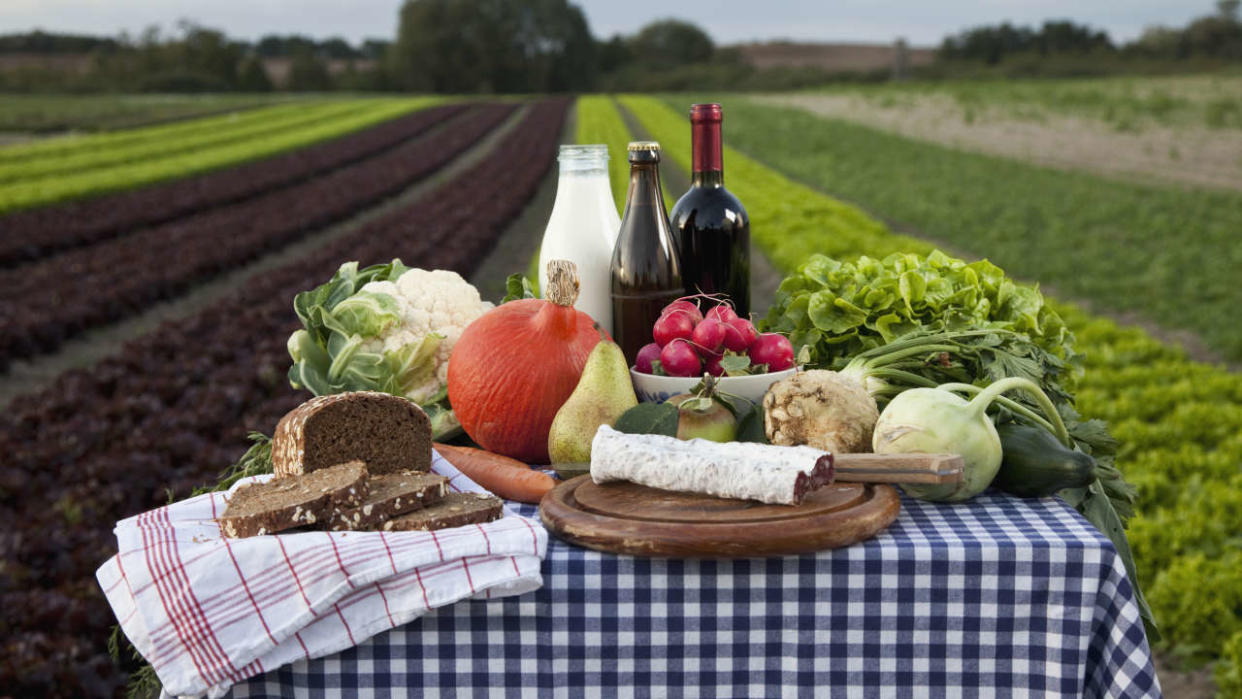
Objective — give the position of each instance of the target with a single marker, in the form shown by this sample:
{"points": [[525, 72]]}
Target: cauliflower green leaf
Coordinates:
{"points": [[387, 328]]}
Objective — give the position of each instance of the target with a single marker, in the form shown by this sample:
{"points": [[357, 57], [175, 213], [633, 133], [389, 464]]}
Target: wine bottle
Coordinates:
{"points": [[713, 230], [646, 265]]}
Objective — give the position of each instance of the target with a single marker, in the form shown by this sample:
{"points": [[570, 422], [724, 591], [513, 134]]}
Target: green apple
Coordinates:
{"points": [[703, 418]]}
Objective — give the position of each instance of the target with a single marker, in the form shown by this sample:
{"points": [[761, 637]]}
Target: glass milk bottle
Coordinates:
{"points": [[583, 228]]}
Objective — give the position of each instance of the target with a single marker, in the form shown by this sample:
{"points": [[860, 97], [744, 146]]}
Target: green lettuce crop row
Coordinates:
{"points": [[48, 114], [1168, 253], [1180, 422], [61, 146], [277, 119], [22, 194], [1229, 671], [787, 216], [599, 122]]}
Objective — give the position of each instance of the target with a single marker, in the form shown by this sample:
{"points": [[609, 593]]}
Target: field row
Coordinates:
{"points": [[142, 163], [251, 125], [1167, 254], [41, 306], [31, 235], [172, 409], [1179, 420], [52, 113]]}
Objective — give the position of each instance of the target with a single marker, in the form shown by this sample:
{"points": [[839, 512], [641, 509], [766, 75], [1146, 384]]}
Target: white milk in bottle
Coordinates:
{"points": [[583, 228]]}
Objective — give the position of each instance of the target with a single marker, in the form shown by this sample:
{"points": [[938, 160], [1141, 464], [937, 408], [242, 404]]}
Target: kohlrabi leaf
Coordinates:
{"points": [[750, 426], [649, 418]]}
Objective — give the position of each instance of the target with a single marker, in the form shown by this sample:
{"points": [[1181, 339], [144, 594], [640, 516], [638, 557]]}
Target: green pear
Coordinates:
{"points": [[603, 392]]}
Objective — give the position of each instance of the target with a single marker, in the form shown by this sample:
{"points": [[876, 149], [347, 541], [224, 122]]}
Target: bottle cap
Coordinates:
{"points": [[644, 151], [706, 112]]}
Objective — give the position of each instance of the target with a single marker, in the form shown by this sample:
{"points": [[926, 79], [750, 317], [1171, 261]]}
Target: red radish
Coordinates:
{"points": [[679, 359], [722, 313], [649, 353], [774, 350], [709, 336], [673, 326], [743, 338], [687, 306], [712, 365]]}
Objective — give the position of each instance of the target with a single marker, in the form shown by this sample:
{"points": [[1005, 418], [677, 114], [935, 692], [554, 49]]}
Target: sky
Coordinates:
{"points": [[727, 21]]}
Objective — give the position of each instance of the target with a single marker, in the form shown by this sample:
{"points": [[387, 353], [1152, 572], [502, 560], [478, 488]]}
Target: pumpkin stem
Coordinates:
{"points": [[562, 282]]}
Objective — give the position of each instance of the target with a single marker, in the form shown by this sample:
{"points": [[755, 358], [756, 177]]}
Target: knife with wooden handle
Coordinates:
{"points": [[898, 468]]}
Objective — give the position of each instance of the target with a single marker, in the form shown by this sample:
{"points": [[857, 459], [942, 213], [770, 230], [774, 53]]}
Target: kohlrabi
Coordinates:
{"points": [[938, 420]]}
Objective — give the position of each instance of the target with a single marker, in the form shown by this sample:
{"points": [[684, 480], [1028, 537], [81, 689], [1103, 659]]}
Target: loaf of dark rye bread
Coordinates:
{"points": [[279, 504], [389, 433], [390, 495], [455, 510]]}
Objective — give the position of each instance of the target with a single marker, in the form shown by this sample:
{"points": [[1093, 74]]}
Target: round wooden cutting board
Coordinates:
{"points": [[641, 521]]}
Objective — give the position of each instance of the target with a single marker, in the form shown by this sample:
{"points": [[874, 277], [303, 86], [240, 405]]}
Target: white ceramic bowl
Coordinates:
{"points": [[655, 389]]}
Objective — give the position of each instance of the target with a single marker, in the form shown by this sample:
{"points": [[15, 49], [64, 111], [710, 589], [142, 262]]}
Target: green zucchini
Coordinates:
{"points": [[1035, 464]]}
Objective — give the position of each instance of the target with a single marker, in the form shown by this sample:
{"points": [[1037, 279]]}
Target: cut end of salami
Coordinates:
{"points": [[821, 475], [741, 470]]}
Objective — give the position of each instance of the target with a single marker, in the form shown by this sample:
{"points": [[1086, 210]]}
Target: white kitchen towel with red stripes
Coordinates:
{"points": [[207, 611]]}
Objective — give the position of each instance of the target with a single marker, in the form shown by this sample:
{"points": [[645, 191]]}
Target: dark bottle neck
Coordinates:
{"points": [[644, 188], [708, 164]]}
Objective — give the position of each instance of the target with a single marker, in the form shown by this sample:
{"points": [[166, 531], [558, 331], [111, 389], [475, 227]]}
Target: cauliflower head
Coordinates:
{"points": [[432, 306]]}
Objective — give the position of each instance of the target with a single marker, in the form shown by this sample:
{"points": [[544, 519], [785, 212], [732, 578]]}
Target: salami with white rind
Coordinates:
{"points": [[742, 470]]}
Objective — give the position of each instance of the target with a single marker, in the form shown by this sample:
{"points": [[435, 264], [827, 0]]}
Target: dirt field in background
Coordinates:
{"points": [[1189, 155]]}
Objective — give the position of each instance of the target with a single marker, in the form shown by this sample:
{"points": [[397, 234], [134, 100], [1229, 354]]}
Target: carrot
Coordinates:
{"points": [[509, 478]]}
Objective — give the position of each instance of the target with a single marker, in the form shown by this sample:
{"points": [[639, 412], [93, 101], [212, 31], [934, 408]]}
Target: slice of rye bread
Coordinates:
{"points": [[389, 433], [279, 504], [455, 510], [391, 494]]}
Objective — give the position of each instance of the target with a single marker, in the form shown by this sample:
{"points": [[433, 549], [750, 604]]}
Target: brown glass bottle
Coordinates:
{"points": [[646, 264], [713, 229]]}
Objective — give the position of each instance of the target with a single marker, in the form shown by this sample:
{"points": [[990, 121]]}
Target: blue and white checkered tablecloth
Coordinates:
{"points": [[999, 597]]}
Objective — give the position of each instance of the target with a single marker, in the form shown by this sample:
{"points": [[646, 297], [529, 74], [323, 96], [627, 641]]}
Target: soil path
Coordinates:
{"points": [[520, 241], [1187, 155], [35, 374]]}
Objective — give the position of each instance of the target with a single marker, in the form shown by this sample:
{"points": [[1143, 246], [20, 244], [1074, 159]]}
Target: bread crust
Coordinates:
{"points": [[391, 495], [289, 442], [457, 509], [276, 505]]}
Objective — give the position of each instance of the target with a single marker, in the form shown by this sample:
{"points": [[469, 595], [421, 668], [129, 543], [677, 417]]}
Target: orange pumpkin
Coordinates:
{"points": [[515, 366]]}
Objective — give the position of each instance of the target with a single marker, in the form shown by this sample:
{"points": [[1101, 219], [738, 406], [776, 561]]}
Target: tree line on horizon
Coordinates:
{"points": [[542, 46]]}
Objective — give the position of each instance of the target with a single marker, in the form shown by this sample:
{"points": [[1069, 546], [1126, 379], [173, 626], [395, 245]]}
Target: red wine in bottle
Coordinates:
{"points": [[646, 265], [712, 227]]}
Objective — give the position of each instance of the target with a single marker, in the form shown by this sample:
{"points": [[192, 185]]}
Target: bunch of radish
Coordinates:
{"points": [[689, 342]]}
